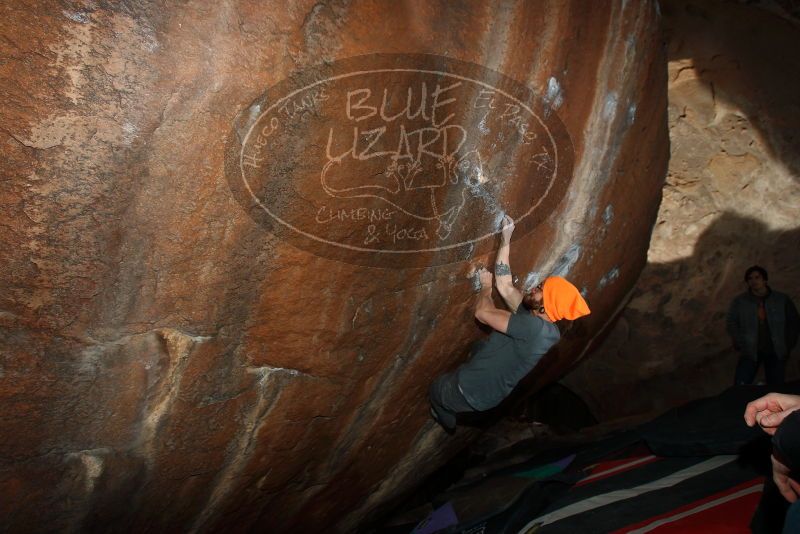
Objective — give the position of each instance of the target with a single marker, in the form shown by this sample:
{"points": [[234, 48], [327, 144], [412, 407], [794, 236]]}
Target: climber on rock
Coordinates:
{"points": [[521, 336]]}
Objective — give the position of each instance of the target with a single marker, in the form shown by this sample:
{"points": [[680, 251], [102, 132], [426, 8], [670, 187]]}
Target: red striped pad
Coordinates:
{"points": [[608, 469], [728, 511]]}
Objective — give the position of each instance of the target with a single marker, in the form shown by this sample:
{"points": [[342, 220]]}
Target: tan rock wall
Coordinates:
{"points": [[731, 200], [168, 364]]}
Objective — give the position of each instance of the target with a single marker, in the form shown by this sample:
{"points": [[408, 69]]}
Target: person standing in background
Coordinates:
{"points": [[763, 325]]}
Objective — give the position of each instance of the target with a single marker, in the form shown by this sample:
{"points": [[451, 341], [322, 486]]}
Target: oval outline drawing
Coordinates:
{"points": [[561, 153]]}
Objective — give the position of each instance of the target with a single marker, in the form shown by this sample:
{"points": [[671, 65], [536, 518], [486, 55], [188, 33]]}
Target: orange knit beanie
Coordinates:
{"points": [[562, 300]]}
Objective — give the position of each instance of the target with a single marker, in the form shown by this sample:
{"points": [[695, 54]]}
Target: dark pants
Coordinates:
{"points": [[747, 368], [447, 400]]}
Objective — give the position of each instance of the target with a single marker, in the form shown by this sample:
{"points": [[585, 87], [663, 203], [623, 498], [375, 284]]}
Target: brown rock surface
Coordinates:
{"points": [[169, 364], [731, 200]]}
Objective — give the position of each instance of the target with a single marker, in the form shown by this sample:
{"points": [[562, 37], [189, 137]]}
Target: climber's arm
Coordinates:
{"points": [[485, 310], [502, 270]]}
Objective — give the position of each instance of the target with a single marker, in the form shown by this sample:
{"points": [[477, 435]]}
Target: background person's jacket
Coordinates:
{"points": [[782, 319]]}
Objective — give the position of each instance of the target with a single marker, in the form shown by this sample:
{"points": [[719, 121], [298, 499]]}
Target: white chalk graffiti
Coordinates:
{"points": [[418, 165], [407, 186], [396, 156]]}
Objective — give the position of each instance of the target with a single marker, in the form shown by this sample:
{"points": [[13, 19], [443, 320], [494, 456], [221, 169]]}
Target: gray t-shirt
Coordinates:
{"points": [[500, 363]]}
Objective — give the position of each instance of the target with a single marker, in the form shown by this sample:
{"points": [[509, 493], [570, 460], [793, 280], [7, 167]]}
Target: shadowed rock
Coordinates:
{"points": [[168, 363], [730, 201]]}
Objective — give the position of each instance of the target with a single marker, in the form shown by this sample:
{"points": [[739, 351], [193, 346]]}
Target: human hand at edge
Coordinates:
{"points": [[788, 487], [508, 229], [770, 410]]}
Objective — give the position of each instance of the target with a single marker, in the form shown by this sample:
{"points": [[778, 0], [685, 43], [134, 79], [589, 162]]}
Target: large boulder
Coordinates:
{"points": [[197, 332], [730, 201]]}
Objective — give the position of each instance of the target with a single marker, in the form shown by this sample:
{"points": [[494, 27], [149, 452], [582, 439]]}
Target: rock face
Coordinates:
{"points": [[731, 200], [178, 352]]}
